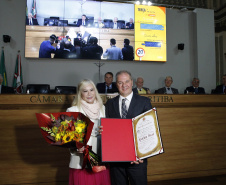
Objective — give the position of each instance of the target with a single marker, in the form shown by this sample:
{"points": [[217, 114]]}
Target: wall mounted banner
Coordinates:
{"points": [[150, 33]]}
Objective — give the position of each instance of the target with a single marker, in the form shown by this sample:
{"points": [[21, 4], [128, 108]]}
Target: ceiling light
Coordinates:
{"points": [[149, 3], [144, 3], [138, 2]]}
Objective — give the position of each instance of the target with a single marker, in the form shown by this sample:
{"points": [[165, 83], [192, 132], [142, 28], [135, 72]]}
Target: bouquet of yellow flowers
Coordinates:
{"points": [[68, 129], [71, 130]]}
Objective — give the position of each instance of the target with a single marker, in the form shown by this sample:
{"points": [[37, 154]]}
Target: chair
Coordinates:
{"points": [[55, 18], [213, 91], [63, 23], [38, 88], [107, 23], [65, 90], [46, 21], [90, 21], [121, 24], [52, 22]]}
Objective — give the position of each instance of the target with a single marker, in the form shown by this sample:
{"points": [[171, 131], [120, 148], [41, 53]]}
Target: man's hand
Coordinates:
{"points": [[137, 162], [100, 129]]}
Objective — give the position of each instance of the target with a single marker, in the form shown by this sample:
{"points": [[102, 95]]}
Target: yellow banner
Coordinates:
{"points": [[150, 33]]}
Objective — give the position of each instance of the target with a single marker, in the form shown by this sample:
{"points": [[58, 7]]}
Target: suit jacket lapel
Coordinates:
{"points": [[132, 106], [164, 90], [116, 106]]}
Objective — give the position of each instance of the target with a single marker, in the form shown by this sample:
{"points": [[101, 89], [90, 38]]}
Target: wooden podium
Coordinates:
{"points": [[193, 131]]}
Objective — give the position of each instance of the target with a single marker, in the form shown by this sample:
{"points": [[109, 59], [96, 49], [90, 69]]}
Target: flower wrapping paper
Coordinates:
{"points": [[46, 120]]}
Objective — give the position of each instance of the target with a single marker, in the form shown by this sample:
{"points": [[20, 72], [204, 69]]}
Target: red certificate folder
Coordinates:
{"points": [[131, 139]]}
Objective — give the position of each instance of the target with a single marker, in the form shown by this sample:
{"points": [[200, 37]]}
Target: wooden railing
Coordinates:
{"points": [[193, 130]]}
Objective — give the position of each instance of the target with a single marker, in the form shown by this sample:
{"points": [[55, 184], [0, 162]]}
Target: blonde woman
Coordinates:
{"points": [[88, 102]]}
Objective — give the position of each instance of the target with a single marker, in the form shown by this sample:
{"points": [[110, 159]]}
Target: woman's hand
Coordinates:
{"points": [[100, 129], [80, 150]]}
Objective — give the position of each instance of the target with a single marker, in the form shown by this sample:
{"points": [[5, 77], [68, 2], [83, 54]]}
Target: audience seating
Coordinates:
{"points": [[63, 23], [212, 91], [107, 23], [46, 21], [65, 90], [52, 21], [38, 88], [121, 23], [90, 21]]}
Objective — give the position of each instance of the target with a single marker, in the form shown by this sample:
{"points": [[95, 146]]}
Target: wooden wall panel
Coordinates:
{"points": [[193, 130]]}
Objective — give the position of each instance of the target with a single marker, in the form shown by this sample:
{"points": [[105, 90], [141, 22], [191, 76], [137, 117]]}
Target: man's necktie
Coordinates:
{"points": [[168, 88], [124, 110], [196, 91]]}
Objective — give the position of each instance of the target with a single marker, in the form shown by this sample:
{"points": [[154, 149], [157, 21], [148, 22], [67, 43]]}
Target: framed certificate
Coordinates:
{"points": [[131, 139]]}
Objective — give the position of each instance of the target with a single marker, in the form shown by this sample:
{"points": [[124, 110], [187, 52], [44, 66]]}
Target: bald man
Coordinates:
{"points": [[140, 89]]}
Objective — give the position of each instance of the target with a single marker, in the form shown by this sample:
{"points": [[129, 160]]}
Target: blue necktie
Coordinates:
{"points": [[196, 91], [124, 110]]}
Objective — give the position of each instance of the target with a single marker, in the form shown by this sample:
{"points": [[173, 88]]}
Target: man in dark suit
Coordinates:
{"points": [[140, 89], [5, 89], [134, 172], [221, 89], [65, 50], [30, 20], [82, 22], [92, 50], [194, 89], [108, 86], [167, 89], [130, 24], [127, 51]]}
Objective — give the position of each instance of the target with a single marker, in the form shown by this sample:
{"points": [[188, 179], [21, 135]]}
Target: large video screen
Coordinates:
{"points": [[100, 30]]}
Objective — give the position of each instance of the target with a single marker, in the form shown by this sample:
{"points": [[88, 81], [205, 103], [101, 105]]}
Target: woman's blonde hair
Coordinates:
{"points": [[81, 85]]}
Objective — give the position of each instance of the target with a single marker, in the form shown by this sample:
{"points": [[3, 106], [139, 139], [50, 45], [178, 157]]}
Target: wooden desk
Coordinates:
{"points": [[193, 130], [35, 35]]}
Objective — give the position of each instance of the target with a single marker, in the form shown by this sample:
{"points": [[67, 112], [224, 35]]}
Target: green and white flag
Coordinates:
{"points": [[18, 78], [2, 69]]}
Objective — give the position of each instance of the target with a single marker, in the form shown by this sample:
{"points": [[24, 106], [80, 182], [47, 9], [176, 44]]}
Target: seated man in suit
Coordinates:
{"points": [[221, 89], [108, 86], [116, 25], [83, 21], [130, 24], [5, 89], [194, 89], [30, 20], [99, 23], [167, 89], [140, 89]]}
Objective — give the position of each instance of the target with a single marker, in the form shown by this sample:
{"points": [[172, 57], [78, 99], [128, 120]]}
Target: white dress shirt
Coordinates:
{"points": [[127, 102]]}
